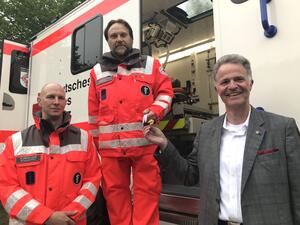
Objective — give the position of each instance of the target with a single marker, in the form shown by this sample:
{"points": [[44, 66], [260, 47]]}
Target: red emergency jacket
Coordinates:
{"points": [[43, 170], [119, 92]]}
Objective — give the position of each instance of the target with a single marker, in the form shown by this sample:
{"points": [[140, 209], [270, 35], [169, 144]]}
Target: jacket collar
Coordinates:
{"points": [[41, 123], [132, 58]]}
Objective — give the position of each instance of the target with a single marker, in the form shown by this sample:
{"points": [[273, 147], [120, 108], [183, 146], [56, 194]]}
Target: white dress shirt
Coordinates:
{"points": [[231, 165]]}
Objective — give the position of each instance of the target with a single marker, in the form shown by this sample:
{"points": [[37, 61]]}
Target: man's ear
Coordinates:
{"points": [[38, 99], [252, 82]]}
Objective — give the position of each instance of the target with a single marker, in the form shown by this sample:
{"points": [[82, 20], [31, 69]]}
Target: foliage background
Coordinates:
{"points": [[22, 19]]}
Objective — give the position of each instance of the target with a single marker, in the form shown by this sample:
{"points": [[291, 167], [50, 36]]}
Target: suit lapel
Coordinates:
{"points": [[255, 134], [215, 148]]}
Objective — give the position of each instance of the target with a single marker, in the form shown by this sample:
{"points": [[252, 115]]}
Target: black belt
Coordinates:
{"points": [[222, 222]]}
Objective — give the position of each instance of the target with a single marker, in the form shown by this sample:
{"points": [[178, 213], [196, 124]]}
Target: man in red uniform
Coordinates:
{"points": [[49, 172], [125, 88]]}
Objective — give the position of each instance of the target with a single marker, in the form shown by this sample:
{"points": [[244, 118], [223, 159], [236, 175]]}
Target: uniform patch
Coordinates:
{"points": [[145, 90], [104, 80], [103, 94], [27, 159], [77, 178], [30, 178]]}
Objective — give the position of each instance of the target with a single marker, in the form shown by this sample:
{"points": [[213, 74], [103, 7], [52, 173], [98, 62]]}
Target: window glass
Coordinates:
{"points": [[18, 81], [190, 11], [87, 45]]}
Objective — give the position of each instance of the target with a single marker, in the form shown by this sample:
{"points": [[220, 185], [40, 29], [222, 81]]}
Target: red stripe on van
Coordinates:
{"points": [[8, 48], [102, 8]]}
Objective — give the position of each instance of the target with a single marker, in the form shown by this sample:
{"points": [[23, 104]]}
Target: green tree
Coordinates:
{"points": [[22, 19]]}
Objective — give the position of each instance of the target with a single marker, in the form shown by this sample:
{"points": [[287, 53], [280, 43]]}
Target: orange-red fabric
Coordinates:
{"points": [[125, 208], [64, 180], [119, 92]]}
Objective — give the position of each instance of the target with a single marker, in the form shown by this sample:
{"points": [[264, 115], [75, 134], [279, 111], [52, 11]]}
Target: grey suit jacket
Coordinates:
{"points": [[270, 192]]}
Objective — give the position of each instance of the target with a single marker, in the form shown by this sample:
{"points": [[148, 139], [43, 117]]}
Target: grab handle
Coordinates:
{"points": [[270, 30]]}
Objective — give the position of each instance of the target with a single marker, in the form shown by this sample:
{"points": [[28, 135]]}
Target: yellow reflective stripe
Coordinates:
{"points": [[83, 201], [91, 187], [120, 127], [92, 119], [14, 198], [179, 124], [164, 98], [27, 209], [162, 124], [124, 143]]}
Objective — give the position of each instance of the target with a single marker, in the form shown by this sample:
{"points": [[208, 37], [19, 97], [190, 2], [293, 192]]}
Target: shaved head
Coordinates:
{"points": [[52, 100]]}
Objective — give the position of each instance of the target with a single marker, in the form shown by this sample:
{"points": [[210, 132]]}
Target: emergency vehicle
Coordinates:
{"points": [[187, 36]]}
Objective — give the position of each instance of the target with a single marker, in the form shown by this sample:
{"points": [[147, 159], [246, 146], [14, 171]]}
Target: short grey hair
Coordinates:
{"points": [[232, 59]]}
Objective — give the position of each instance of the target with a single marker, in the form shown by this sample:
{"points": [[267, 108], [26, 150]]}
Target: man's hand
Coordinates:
{"points": [[61, 218], [151, 118], [156, 136]]}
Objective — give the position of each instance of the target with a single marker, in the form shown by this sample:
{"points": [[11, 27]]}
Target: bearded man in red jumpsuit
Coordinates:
{"points": [[126, 87]]}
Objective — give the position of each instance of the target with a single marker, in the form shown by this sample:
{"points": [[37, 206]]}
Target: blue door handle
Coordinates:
{"points": [[270, 30]]}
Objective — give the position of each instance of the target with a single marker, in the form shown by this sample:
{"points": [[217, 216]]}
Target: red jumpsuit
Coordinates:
{"points": [[43, 170], [119, 92]]}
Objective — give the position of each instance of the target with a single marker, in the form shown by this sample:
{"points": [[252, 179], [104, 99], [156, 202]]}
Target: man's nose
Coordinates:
{"points": [[232, 84], [56, 100], [119, 38]]}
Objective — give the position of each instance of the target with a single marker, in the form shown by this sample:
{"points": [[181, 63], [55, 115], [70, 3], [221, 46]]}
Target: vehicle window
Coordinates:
{"points": [[190, 11], [18, 81], [86, 45]]}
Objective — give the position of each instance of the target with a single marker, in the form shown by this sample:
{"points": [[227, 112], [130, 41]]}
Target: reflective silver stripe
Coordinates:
{"points": [[105, 79], [97, 70], [149, 65], [84, 139], [13, 221], [94, 133], [84, 201], [164, 98], [14, 198], [23, 150], [163, 105], [55, 149], [93, 119], [27, 209], [91, 187], [120, 127], [2, 146], [124, 143]]}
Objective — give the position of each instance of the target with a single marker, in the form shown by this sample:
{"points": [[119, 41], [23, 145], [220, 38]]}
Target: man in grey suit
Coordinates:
{"points": [[246, 161]]}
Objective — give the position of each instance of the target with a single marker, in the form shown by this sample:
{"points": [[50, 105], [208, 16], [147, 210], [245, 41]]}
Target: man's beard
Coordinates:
{"points": [[121, 54]]}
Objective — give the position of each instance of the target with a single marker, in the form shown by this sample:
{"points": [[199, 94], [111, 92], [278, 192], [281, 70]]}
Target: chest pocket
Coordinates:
{"points": [[30, 168], [144, 90], [76, 162], [105, 93]]}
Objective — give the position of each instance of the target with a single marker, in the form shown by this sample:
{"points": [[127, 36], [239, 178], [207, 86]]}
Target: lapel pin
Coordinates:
{"points": [[257, 132]]}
